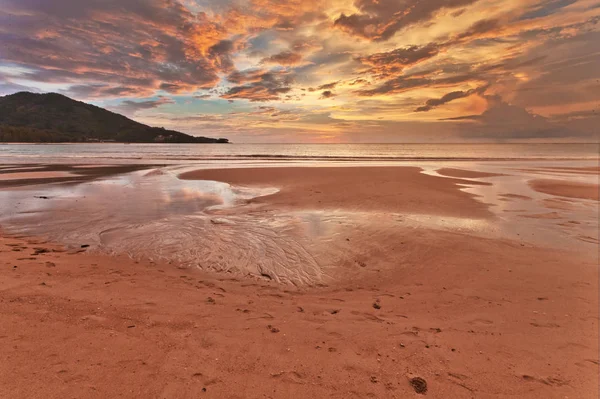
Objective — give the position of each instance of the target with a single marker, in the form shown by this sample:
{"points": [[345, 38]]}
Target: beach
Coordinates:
{"points": [[301, 281]]}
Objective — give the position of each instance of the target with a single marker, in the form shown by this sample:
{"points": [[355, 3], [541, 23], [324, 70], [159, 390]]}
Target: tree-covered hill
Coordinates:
{"points": [[54, 118]]}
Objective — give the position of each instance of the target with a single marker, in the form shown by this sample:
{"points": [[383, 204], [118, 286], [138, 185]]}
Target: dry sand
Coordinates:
{"points": [[473, 317]]}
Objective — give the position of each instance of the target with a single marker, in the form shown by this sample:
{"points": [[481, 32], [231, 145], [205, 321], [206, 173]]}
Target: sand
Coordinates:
{"points": [[566, 188], [467, 174], [473, 317], [27, 175], [34, 175], [389, 189]]}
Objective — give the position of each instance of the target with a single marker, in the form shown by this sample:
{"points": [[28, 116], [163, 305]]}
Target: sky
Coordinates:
{"points": [[322, 71]]}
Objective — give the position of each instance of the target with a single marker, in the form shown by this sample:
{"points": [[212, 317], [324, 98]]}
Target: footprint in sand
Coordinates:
{"points": [[589, 239], [545, 325], [484, 322], [368, 316], [547, 381]]}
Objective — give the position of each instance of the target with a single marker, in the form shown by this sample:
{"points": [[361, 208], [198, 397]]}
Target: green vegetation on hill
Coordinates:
{"points": [[54, 118]]}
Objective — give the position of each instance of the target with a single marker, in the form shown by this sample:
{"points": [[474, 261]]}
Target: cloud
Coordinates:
{"points": [[403, 84], [130, 107], [128, 43], [382, 60], [100, 90], [546, 8], [285, 58], [7, 87], [259, 85], [379, 20], [328, 86], [446, 98], [395, 61]]}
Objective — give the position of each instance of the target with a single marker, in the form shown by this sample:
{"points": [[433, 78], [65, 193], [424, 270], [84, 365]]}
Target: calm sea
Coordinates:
{"points": [[112, 153]]}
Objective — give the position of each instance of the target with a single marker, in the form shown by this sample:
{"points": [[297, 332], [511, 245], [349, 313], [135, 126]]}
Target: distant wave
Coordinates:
{"points": [[332, 158]]}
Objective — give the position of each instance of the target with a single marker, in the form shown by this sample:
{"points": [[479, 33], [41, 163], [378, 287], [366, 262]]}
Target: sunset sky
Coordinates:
{"points": [[318, 71]]}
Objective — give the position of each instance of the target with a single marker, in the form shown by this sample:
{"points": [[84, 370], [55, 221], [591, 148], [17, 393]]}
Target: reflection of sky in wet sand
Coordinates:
{"points": [[525, 214], [207, 224], [153, 214]]}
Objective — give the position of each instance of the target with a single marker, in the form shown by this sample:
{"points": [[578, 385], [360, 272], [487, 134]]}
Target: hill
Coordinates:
{"points": [[54, 118]]}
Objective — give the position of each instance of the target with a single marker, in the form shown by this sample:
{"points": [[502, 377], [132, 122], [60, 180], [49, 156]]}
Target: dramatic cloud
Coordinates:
{"points": [[356, 70], [262, 86], [381, 19], [395, 61], [446, 98]]}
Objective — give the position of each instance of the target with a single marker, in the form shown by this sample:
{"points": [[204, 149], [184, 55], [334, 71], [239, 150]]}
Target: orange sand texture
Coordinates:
{"points": [[473, 317]]}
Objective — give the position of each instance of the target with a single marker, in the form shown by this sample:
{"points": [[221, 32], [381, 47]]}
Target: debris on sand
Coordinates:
{"points": [[376, 304], [419, 385]]}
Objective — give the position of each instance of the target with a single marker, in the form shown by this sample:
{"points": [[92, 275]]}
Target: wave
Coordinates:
{"points": [[281, 157]]}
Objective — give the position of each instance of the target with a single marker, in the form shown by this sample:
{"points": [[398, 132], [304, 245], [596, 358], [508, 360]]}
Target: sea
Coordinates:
{"points": [[120, 153]]}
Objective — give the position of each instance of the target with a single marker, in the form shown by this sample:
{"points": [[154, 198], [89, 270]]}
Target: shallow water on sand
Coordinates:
{"points": [[153, 214]]}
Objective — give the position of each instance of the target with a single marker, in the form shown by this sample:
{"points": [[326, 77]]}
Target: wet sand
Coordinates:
{"points": [[565, 188], [474, 317], [389, 189], [453, 172], [27, 175]]}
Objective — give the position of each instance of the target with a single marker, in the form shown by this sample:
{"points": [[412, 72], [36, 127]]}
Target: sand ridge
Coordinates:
{"points": [[393, 189], [565, 188]]}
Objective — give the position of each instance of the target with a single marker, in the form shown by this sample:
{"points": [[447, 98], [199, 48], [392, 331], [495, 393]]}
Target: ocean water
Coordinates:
{"points": [[118, 153]]}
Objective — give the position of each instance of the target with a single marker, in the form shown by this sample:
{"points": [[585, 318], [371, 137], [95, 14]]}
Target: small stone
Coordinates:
{"points": [[374, 380], [419, 385]]}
